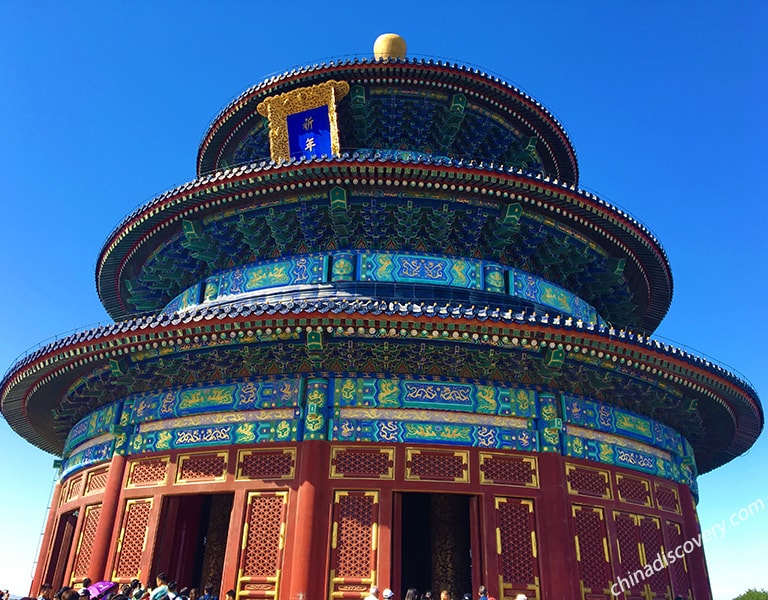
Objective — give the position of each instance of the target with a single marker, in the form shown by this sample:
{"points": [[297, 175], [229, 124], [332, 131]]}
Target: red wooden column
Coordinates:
{"points": [[696, 560], [307, 569], [109, 506], [45, 545], [556, 547]]}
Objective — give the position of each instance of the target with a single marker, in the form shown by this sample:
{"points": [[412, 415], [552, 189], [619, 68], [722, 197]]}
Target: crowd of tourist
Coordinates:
{"points": [[413, 594], [163, 589]]}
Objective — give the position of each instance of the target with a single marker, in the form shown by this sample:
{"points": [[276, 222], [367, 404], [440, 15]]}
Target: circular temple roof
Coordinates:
{"points": [[410, 104], [436, 160]]}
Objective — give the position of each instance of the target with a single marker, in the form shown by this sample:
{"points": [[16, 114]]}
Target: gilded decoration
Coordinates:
{"points": [[278, 108]]}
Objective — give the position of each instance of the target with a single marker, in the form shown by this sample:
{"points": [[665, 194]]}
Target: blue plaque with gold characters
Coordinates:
{"points": [[309, 133]]}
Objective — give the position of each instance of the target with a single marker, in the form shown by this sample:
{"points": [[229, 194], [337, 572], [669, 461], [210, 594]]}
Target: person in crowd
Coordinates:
{"points": [[172, 594], [373, 593], [208, 595], [230, 595], [445, 595], [59, 595], [194, 594], [411, 594], [482, 592], [135, 591], [160, 591], [387, 594], [87, 582], [46, 592], [71, 594]]}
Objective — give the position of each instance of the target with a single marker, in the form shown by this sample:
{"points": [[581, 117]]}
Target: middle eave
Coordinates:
{"points": [[250, 186]]}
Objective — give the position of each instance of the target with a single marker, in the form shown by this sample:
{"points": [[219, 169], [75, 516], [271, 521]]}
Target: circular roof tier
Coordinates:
{"points": [[45, 394], [422, 106], [387, 201]]}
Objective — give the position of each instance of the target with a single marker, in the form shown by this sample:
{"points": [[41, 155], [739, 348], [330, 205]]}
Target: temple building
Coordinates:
{"points": [[383, 337]]}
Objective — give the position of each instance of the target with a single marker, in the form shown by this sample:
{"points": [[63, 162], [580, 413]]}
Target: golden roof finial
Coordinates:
{"points": [[389, 45]]}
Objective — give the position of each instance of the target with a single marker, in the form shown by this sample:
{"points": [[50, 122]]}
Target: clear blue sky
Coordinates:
{"points": [[103, 105]]}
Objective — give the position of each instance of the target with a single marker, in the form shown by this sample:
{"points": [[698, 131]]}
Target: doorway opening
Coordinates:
{"points": [[192, 539], [61, 549], [436, 544]]}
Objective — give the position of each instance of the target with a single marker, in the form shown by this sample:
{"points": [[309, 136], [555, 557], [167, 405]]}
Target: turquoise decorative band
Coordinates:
{"points": [[365, 267], [383, 408]]}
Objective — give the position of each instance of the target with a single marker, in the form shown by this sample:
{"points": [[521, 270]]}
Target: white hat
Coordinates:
{"points": [[387, 593]]}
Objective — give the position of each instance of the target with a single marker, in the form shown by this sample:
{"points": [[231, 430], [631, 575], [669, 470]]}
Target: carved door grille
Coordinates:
{"points": [[133, 539], [516, 549], [97, 480], [592, 557], [657, 585], [85, 543], [263, 542], [266, 464], [148, 471], [678, 570], [354, 542]]}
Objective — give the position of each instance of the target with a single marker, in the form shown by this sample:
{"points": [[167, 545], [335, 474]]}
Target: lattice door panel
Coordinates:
{"points": [[657, 585], [354, 543], [593, 560], [630, 565], [261, 556], [517, 554], [85, 543], [678, 570], [133, 540]]}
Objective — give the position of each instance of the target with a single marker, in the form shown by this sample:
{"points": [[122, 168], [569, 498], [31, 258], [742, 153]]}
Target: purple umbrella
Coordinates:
{"points": [[101, 588]]}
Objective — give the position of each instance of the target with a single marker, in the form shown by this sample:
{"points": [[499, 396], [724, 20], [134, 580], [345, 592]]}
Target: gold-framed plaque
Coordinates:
{"points": [[303, 122]]}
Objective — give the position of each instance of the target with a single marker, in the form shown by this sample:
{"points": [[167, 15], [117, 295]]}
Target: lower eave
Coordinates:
{"points": [[38, 383]]}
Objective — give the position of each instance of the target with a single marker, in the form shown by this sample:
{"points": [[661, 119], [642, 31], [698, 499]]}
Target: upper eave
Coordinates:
{"points": [[499, 96]]}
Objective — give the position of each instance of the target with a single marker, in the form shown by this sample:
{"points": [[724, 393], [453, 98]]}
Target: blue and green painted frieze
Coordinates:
{"points": [[366, 266], [380, 409]]}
